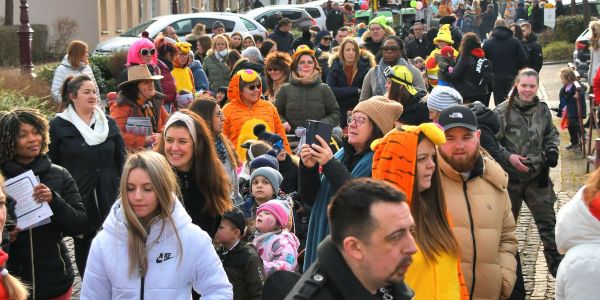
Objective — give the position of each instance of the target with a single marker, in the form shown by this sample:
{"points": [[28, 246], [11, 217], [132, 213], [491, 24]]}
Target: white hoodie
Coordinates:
{"points": [[64, 70], [107, 271], [578, 234]]}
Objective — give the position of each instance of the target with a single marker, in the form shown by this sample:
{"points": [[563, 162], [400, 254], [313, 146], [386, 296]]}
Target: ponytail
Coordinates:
{"points": [[70, 87]]}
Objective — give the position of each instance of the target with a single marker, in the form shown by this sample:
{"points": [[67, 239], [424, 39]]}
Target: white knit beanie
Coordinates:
{"points": [[442, 97]]}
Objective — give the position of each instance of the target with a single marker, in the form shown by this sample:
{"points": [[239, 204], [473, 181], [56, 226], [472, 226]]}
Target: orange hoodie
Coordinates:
{"points": [[237, 113]]}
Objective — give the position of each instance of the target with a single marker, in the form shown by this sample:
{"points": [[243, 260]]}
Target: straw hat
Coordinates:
{"points": [[138, 73]]}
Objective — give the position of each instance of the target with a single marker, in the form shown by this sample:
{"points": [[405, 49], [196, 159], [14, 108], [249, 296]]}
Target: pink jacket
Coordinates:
{"points": [[279, 251]]}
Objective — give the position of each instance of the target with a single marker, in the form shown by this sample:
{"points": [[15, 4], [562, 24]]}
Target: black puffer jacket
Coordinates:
{"points": [[464, 76], [504, 52], [347, 95], [535, 57], [40, 252], [244, 270], [417, 112], [193, 201], [96, 169], [488, 124]]}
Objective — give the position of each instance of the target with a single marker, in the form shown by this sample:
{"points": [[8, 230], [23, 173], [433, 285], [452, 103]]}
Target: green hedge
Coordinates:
{"points": [[558, 51], [9, 48], [13, 99], [568, 28]]}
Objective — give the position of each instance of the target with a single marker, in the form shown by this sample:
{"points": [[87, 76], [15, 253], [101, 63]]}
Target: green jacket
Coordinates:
{"points": [[527, 131], [307, 99], [216, 71]]}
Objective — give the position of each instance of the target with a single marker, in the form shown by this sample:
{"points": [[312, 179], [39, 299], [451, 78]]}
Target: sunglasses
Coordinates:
{"points": [[145, 51], [253, 87], [326, 38], [390, 48], [389, 73]]}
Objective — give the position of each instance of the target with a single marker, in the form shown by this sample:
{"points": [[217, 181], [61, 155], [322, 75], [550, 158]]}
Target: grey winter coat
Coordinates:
{"points": [[307, 99], [371, 87], [64, 70], [527, 131]]}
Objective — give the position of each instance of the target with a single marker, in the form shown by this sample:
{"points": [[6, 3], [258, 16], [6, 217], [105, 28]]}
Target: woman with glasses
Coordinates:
{"points": [[399, 87], [74, 63], [306, 97], [277, 73], [214, 63], [211, 113], [245, 105], [142, 52], [370, 120], [349, 66]]}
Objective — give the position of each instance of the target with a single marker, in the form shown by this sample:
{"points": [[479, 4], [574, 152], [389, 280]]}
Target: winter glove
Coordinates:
{"points": [[543, 177], [551, 159]]}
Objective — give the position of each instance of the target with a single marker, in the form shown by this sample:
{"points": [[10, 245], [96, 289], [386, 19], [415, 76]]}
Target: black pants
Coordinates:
{"points": [[501, 87], [574, 131], [82, 249]]}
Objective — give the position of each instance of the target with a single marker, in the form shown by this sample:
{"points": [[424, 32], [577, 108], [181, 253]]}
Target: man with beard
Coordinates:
{"points": [[535, 57], [370, 247], [475, 189], [393, 54]]}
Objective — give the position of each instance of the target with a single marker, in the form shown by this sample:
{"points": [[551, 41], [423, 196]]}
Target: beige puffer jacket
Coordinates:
{"points": [[490, 251]]}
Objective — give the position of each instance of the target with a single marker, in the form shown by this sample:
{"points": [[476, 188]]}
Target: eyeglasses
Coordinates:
{"points": [[390, 48], [358, 120], [252, 87], [308, 62], [145, 51]]}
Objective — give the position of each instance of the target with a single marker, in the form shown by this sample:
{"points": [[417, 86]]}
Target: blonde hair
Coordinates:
{"points": [[568, 74], [595, 28], [164, 186], [222, 37], [15, 289]]}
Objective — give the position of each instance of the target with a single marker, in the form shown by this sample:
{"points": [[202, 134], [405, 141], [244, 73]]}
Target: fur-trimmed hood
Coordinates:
{"points": [[388, 32], [364, 55]]}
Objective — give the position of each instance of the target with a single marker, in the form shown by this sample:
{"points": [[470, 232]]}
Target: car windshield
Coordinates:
{"points": [[137, 30]]}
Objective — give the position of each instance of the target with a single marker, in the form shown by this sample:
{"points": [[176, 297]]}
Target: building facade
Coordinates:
{"points": [[99, 20]]}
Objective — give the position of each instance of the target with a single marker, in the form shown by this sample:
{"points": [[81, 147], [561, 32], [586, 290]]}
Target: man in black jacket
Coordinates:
{"points": [[419, 46], [507, 56], [535, 57], [282, 36], [369, 249], [335, 18]]}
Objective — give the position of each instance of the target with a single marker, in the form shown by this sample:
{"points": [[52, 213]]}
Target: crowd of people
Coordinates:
{"points": [[324, 166]]}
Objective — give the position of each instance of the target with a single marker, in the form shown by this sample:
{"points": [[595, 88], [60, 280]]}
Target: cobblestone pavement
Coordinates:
{"points": [[568, 177]]}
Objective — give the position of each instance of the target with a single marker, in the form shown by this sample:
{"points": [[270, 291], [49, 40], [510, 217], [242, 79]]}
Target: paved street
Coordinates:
{"points": [[568, 177]]}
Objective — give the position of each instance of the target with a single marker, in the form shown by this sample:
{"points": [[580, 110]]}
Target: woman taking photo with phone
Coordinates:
{"points": [[148, 246], [39, 255], [370, 120]]}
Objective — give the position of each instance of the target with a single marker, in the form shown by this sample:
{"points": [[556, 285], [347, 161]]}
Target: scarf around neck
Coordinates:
{"points": [[92, 136]]}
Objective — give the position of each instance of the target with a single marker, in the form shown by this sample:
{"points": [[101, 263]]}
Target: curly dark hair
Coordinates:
{"points": [[10, 124]]}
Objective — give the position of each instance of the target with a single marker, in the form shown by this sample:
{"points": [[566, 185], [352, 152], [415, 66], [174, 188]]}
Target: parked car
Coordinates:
{"points": [[581, 55], [316, 12], [183, 25], [267, 16]]}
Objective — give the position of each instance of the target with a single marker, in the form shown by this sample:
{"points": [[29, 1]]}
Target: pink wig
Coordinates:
{"points": [[133, 55]]}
